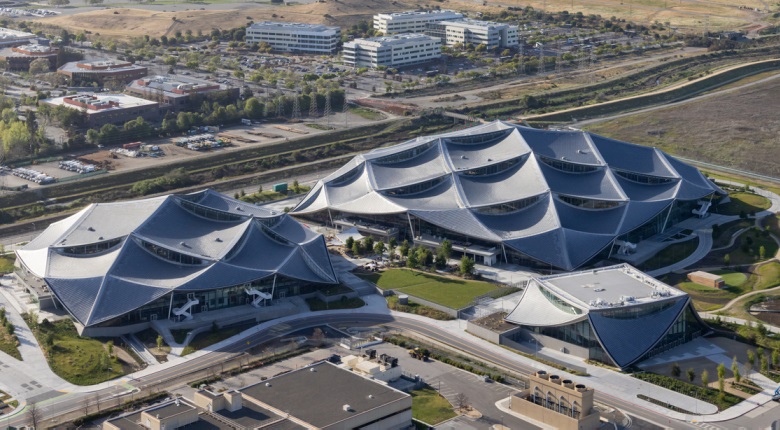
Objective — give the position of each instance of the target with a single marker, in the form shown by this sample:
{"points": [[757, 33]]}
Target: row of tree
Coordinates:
{"points": [[415, 257]]}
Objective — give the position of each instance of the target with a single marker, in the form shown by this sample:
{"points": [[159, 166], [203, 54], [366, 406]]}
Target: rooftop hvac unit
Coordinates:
{"points": [[347, 408]]}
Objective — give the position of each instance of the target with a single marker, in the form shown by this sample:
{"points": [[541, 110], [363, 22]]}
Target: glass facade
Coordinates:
{"points": [[219, 298], [508, 207], [493, 168], [92, 248], [566, 166], [584, 203], [684, 329]]}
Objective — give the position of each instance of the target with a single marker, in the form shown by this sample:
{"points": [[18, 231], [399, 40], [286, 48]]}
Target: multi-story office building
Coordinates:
{"points": [[19, 58], [178, 94], [101, 71], [411, 22], [102, 109], [392, 51], [471, 31], [295, 37]]}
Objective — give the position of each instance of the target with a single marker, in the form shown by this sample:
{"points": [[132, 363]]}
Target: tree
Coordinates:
{"points": [[462, 401], [466, 265], [356, 248], [691, 374], [159, 342], [705, 378], [349, 242], [735, 370], [404, 248], [726, 260], [446, 246], [296, 187], [411, 259], [721, 376], [253, 109], [393, 242], [676, 370], [751, 357], [379, 248], [110, 347], [34, 414], [368, 243], [391, 253], [761, 252]]}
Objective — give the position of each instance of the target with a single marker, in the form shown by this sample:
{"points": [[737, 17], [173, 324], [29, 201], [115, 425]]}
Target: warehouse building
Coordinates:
{"points": [[295, 37], [392, 51]]}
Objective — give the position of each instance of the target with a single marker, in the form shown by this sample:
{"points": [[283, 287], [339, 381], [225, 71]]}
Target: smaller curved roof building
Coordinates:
{"points": [[552, 198], [116, 264], [617, 315]]}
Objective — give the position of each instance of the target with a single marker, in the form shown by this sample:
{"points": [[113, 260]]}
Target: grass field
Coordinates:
{"points": [[8, 344], [76, 359], [743, 203], [740, 256], [429, 407], [367, 113], [727, 230], [671, 254], [450, 292], [737, 283], [728, 129], [316, 304], [7, 264]]}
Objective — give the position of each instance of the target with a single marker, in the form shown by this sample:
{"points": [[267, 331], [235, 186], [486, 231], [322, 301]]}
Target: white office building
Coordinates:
{"points": [[411, 22], [471, 31], [295, 37], [392, 51]]}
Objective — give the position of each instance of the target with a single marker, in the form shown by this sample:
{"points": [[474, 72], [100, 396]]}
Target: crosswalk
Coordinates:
{"points": [[711, 426]]}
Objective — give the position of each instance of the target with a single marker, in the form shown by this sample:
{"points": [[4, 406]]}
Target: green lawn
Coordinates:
{"points": [[737, 283], [740, 256], [706, 298], [8, 344], [723, 236], [206, 339], [76, 359], [766, 276], [316, 304], [429, 407], [743, 202], [7, 264], [671, 254], [367, 113], [731, 278], [450, 292]]}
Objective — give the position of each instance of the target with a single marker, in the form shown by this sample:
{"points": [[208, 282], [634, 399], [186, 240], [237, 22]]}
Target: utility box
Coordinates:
{"points": [[281, 188]]}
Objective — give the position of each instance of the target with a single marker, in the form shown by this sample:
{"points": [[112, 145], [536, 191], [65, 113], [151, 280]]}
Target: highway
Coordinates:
{"points": [[73, 403]]}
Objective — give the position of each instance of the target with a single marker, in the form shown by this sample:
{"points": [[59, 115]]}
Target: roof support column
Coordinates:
{"points": [[668, 215], [411, 226], [503, 251], [170, 306], [331, 219], [273, 287]]}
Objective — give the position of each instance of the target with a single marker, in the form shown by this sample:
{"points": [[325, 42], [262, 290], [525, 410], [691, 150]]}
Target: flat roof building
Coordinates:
{"points": [[526, 196], [335, 399], [104, 108], [319, 396], [9, 37], [471, 31], [19, 58], [411, 22], [391, 51], [557, 402], [179, 94], [617, 315], [101, 71], [295, 37], [115, 267]]}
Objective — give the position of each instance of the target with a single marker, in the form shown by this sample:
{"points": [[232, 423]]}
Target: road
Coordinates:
{"points": [[164, 379]]}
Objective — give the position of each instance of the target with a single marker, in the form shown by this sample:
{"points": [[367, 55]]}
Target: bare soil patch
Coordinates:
{"points": [[738, 129]]}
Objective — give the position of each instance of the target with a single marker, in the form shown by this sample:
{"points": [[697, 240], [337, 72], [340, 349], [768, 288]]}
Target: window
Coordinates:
{"points": [[560, 303], [508, 207], [92, 248], [493, 168], [415, 188], [589, 203], [567, 166], [480, 138], [642, 178], [405, 155]]}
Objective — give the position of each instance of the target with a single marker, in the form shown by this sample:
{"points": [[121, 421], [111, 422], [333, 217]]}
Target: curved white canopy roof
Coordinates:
{"points": [[557, 196], [109, 259]]}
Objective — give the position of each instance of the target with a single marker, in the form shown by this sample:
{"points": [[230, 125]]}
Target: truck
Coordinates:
{"points": [[246, 121]]}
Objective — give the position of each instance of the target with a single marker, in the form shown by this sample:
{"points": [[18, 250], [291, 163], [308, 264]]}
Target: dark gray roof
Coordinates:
{"points": [[331, 386], [454, 179], [235, 243], [626, 340]]}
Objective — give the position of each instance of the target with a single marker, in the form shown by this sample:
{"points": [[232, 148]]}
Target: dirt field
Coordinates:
{"points": [[157, 19], [738, 129]]}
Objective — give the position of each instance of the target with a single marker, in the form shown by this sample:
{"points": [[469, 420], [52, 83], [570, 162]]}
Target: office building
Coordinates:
{"points": [[392, 51], [295, 37]]}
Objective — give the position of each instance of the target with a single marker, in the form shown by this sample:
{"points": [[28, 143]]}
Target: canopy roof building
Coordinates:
{"points": [[617, 315], [126, 263], [522, 195]]}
